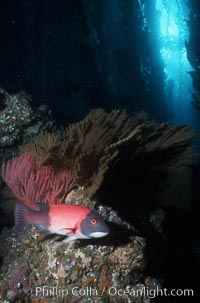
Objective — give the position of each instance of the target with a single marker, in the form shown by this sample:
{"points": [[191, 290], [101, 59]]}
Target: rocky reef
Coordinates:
{"points": [[35, 269], [128, 169], [20, 121]]}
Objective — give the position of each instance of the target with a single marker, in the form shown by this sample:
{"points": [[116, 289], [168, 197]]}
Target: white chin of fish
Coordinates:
{"points": [[98, 234]]}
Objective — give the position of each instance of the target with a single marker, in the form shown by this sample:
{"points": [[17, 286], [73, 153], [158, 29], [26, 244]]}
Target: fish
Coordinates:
{"points": [[73, 221]]}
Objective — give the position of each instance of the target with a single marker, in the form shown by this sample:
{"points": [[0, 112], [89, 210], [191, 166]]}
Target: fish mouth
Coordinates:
{"points": [[98, 234]]}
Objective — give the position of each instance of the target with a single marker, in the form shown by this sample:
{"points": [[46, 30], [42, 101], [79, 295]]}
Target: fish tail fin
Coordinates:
{"points": [[22, 215], [25, 216]]}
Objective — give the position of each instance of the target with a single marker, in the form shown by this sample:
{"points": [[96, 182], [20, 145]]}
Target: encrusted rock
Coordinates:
{"points": [[20, 122], [13, 117], [81, 271]]}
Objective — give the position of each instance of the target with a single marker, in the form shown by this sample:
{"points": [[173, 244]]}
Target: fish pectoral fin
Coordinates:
{"points": [[66, 231]]}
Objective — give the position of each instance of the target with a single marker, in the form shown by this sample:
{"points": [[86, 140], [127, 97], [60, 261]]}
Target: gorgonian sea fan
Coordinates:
{"points": [[32, 183]]}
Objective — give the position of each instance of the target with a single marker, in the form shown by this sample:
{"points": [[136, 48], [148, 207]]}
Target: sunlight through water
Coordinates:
{"points": [[167, 24], [173, 36]]}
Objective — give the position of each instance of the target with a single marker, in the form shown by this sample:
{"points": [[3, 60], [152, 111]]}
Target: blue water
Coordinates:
{"points": [[171, 35]]}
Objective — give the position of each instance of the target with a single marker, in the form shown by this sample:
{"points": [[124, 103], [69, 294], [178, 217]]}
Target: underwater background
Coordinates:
{"points": [[70, 68]]}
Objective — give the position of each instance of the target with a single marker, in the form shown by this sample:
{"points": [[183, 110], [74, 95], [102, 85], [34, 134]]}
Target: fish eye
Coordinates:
{"points": [[94, 220]]}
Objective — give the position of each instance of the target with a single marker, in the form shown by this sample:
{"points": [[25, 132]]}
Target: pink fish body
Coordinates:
{"points": [[76, 222]]}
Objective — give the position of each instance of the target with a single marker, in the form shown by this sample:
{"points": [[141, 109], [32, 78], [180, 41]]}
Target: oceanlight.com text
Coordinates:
{"points": [[151, 293]]}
